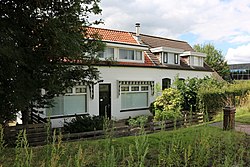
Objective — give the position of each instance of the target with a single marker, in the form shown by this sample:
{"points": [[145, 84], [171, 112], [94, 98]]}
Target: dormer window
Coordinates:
{"points": [[108, 53], [126, 54], [165, 57], [176, 59]]}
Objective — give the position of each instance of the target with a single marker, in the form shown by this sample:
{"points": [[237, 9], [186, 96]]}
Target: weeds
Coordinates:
{"points": [[2, 142], [193, 146], [23, 152]]}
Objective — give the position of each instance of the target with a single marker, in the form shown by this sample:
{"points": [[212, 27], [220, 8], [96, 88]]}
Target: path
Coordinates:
{"points": [[238, 127]]}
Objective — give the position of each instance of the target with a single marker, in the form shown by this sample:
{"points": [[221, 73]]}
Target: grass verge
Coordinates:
{"points": [[194, 146]]}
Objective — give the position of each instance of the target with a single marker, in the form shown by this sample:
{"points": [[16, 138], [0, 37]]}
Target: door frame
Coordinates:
{"points": [[107, 106]]}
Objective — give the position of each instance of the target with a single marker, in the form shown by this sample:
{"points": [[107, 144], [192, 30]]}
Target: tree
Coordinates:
{"points": [[43, 45], [214, 59]]}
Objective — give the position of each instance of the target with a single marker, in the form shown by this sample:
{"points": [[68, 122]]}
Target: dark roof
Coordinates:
{"points": [[154, 42]]}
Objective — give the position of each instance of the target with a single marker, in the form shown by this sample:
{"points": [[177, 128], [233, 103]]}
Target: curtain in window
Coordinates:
{"points": [[74, 104], [126, 54], [68, 105], [134, 100]]}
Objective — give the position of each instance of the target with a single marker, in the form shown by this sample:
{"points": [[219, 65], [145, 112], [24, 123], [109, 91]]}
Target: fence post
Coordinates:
{"points": [[229, 118]]}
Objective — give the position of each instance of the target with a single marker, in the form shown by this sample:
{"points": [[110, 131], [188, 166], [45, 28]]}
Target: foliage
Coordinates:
{"points": [[213, 97], [44, 45], [2, 142], [195, 146], [168, 105], [242, 114], [189, 89], [23, 154], [84, 124], [138, 121], [214, 59]]}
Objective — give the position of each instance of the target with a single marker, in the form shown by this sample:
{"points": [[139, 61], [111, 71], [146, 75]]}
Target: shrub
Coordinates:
{"points": [[138, 121], [84, 124], [214, 98], [189, 90], [168, 105]]}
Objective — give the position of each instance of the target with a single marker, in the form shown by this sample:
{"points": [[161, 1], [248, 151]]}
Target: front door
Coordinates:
{"points": [[105, 100]]}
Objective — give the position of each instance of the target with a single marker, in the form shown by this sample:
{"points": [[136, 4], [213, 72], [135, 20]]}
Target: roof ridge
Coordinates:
{"points": [[177, 40]]}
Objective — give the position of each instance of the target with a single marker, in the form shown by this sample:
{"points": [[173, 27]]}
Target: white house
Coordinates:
{"points": [[128, 85]]}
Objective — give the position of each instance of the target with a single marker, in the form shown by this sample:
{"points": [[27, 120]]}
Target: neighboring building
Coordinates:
{"points": [[128, 85], [240, 71]]}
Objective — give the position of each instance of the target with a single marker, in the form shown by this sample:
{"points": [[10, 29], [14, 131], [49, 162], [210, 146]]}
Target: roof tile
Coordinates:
{"points": [[112, 35]]}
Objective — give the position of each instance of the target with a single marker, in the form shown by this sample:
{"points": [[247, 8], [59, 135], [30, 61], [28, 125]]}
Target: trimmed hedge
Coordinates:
{"points": [[213, 98]]}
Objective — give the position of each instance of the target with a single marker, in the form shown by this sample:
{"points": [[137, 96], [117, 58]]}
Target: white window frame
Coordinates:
{"points": [[165, 57], [135, 52], [130, 90], [72, 93], [105, 54], [176, 58]]}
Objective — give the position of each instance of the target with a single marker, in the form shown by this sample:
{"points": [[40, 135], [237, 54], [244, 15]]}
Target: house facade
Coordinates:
{"points": [[127, 86]]}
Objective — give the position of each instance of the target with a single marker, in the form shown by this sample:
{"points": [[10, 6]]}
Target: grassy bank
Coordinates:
{"points": [[194, 146]]}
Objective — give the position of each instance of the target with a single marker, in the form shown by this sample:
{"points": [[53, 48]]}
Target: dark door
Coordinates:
{"points": [[105, 100]]}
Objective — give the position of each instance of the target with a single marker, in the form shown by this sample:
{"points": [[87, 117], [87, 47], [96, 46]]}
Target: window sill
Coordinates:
{"points": [[135, 109], [65, 116]]}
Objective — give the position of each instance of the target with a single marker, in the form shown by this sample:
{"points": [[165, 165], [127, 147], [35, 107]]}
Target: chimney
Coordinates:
{"points": [[137, 30]]}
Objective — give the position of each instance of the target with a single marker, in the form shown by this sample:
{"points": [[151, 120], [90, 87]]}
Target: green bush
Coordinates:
{"points": [[138, 121], [84, 124], [213, 98], [168, 105], [189, 90]]}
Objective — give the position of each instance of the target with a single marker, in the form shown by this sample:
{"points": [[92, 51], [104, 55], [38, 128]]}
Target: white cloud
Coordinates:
{"points": [[238, 55], [215, 21], [209, 20]]}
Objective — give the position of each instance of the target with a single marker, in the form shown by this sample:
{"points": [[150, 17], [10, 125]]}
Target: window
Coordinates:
{"points": [[166, 83], [73, 102], [108, 53], [130, 54], [200, 61], [165, 57], [176, 58], [134, 96]]}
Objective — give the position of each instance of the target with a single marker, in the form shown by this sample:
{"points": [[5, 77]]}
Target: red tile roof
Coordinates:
{"points": [[112, 35], [150, 59]]}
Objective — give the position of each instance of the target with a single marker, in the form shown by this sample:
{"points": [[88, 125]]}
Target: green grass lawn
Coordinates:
{"points": [[194, 146]]}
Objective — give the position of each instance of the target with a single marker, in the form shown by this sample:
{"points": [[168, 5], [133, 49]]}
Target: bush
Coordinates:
{"points": [[84, 124], [168, 105], [213, 98], [189, 90], [138, 121]]}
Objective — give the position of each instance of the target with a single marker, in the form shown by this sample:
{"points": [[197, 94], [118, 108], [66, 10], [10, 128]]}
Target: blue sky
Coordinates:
{"points": [[224, 23]]}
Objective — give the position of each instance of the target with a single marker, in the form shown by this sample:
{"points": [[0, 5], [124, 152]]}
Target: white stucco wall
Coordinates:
{"points": [[112, 74]]}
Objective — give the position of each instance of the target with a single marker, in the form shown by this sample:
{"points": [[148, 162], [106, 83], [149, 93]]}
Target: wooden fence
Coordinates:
{"points": [[36, 134], [36, 119], [151, 127]]}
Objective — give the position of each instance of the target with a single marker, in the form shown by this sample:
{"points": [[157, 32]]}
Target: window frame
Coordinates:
{"points": [[135, 55], [164, 85], [165, 57], [68, 94], [176, 58], [131, 91], [105, 53]]}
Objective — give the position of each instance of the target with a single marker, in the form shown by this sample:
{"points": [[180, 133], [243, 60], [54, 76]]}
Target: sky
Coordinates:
{"points": [[223, 23]]}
